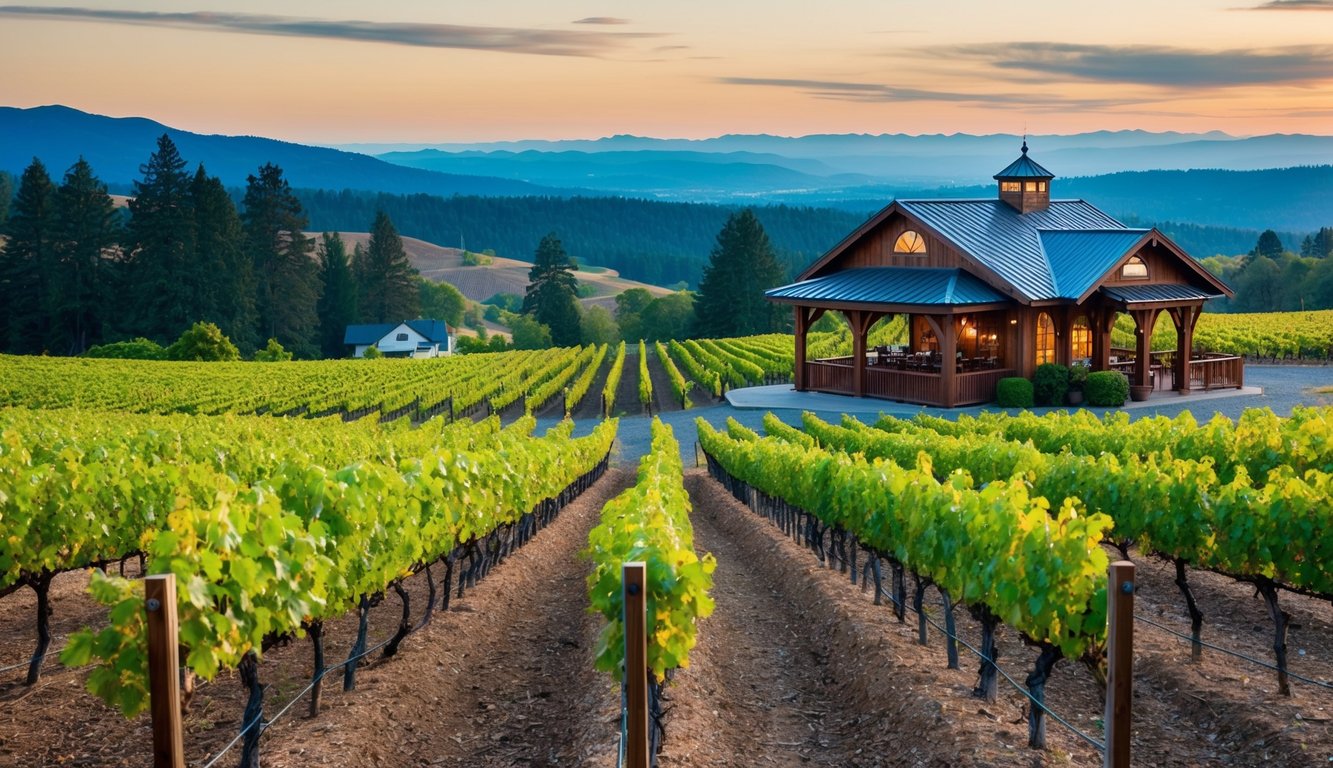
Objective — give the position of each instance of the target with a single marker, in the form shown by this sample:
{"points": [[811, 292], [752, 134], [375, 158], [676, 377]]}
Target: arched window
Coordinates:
{"points": [[1080, 338], [1134, 269], [910, 242], [1045, 339]]}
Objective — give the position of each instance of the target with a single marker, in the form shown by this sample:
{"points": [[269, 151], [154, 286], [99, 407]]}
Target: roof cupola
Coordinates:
{"points": [[1024, 184]]}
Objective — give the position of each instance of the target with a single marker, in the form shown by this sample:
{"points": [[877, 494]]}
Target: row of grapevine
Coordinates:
{"points": [[264, 538], [1293, 335], [651, 523], [1265, 531], [394, 388], [645, 381], [998, 549], [613, 381], [1259, 440], [703, 374], [680, 388]]}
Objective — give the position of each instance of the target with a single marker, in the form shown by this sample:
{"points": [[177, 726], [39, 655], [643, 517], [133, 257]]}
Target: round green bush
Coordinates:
{"points": [[1050, 384], [1107, 389], [138, 349], [1014, 392]]}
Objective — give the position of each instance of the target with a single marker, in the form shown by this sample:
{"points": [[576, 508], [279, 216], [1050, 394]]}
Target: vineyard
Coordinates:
{"points": [[457, 567]]}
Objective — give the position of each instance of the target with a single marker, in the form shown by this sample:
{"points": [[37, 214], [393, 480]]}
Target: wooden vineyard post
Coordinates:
{"points": [[1120, 655], [163, 670], [633, 579]]}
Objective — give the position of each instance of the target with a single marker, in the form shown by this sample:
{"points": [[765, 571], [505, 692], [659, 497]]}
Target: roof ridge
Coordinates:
{"points": [[953, 283]]}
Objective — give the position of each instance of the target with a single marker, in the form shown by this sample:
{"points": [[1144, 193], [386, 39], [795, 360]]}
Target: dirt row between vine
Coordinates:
{"points": [[896, 702]]}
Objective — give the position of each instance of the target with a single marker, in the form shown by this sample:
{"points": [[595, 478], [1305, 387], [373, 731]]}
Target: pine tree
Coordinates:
{"points": [[6, 195], [740, 268], [287, 283], [1269, 245], [87, 231], [164, 280], [28, 263], [550, 297], [227, 295], [337, 306], [387, 293]]}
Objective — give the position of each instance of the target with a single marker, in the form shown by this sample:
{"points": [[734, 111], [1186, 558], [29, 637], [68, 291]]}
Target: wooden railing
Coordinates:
{"points": [[907, 386], [1217, 373], [825, 376], [979, 386]]}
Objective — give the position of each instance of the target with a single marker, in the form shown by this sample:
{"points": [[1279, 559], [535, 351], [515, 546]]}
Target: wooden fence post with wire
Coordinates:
{"points": [[636, 743], [1120, 658], [163, 670]]}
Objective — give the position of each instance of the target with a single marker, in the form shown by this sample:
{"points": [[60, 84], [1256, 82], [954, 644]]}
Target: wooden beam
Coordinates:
{"points": [[856, 318], [1118, 716]]}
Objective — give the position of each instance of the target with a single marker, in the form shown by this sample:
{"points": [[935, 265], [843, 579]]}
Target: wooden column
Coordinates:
{"points": [[798, 363], [1141, 384], [857, 318], [1184, 318], [946, 333], [1102, 320]]}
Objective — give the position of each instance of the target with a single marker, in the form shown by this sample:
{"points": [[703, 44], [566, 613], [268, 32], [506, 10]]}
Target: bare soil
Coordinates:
{"points": [[796, 667]]}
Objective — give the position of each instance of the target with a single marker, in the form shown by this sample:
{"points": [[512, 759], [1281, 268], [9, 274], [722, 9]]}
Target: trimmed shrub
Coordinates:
{"points": [[273, 353], [372, 353], [203, 342], [1050, 384], [1106, 389], [1014, 392], [138, 349]]}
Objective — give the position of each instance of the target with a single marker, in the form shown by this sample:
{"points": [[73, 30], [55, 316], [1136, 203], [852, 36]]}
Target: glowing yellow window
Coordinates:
{"points": [[1080, 339], [910, 242], [1134, 269], [1045, 339]]}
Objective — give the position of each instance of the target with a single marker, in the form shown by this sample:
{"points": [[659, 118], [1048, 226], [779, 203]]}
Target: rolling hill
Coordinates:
{"points": [[117, 146]]}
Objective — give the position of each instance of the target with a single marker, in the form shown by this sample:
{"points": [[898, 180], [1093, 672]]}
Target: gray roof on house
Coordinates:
{"points": [[357, 335], [1024, 168], [892, 285], [1007, 242], [1146, 294]]}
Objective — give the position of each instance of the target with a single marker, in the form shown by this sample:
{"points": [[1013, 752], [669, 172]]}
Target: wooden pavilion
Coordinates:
{"points": [[994, 287]]}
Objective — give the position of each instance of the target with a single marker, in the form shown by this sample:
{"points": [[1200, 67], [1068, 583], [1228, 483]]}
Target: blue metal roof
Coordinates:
{"points": [[1145, 294], [433, 330], [1079, 258], [1008, 242], [892, 285], [1024, 168]]}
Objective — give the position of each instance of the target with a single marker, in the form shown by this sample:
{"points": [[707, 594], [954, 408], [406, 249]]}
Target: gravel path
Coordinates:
{"points": [[1285, 386]]}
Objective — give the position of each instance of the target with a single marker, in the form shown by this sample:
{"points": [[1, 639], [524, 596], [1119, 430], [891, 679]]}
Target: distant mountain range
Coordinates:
{"points": [[116, 147], [889, 159], [1283, 182]]}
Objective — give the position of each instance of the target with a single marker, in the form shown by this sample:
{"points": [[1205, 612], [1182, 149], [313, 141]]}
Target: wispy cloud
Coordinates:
{"points": [[503, 39], [1291, 5], [611, 20], [876, 92], [1154, 65]]}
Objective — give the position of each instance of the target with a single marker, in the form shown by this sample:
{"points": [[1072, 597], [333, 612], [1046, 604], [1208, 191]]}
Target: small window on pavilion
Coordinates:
{"points": [[1045, 339], [1134, 269], [1080, 339], [910, 242], [401, 337], [1011, 186], [1029, 186], [1041, 186]]}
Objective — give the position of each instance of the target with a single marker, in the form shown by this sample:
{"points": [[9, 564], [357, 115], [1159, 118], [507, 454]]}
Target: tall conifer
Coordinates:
{"points": [[28, 263], [388, 294], [87, 230], [286, 278], [164, 280], [552, 291], [227, 295], [337, 305], [731, 294]]}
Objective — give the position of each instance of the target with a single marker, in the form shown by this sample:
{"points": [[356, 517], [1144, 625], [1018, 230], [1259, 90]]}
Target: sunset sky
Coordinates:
{"points": [[426, 71]]}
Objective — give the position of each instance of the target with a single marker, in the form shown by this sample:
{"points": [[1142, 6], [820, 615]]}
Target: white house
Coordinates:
{"points": [[410, 338]]}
